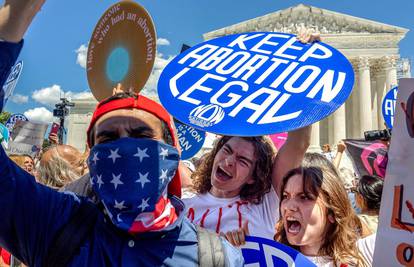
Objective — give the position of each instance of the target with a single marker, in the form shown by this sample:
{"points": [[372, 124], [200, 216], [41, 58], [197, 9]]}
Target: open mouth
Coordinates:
{"points": [[222, 174], [293, 225]]}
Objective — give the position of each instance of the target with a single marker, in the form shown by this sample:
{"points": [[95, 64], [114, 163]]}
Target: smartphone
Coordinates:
{"points": [[54, 129]]}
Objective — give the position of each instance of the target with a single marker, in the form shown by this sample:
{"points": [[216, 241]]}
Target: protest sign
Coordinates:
{"points": [[265, 252], [255, 83], [191, 140], [388, 106], [122, 49], [4, 135], [395, 235], [368, 157], [11, 82], [27, 138], [13, 119]]}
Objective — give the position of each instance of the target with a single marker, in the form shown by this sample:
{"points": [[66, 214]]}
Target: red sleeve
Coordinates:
{"points": [[5, 256]]}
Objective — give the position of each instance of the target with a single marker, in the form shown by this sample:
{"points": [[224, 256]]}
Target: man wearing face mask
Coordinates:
{"points": [[139, 219]]}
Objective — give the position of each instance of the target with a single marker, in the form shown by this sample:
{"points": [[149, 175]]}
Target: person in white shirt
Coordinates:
{"points": [[238, 184], [317, 219]]}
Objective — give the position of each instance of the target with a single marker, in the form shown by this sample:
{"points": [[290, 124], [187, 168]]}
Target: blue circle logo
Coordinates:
{"points": [[388, 106], [255, 83], [117, 64]]}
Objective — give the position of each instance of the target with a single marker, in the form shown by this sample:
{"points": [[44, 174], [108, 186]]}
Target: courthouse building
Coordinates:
{"points": [[371, 47]]}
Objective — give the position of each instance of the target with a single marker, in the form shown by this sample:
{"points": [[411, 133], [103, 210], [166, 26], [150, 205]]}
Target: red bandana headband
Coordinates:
{"points": [[148, 105]]}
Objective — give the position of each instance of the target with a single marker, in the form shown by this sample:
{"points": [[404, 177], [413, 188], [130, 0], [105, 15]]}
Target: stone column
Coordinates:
{"points": [[338, 125], [390, 66], [364, 95], [353, 105], [315, 145], [380, 96]]}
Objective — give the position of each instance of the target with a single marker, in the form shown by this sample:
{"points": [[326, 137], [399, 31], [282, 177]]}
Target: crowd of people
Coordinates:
{"points": [[130, 201]]}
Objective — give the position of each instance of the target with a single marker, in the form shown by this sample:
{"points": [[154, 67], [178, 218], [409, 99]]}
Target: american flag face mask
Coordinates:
{"points": [[130, 177]]}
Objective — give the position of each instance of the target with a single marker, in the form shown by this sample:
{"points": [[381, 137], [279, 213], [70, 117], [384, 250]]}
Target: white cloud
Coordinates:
{"points": [[51, 95], [150, 88], [19, 99], [162, 41], [39, 115], [81, 55]]}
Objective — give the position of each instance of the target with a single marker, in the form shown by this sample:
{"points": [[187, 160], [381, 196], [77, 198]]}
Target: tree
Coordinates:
{"points": [[4, 116]]}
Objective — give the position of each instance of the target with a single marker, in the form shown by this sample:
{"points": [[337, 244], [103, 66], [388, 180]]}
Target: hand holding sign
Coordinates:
{"points": [[255, 83]]}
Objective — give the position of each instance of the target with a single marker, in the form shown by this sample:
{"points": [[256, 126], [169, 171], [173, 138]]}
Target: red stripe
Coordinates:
{"points": [[239, 204], [204, 217], [219, 221], [139, 227], [190, 214]]}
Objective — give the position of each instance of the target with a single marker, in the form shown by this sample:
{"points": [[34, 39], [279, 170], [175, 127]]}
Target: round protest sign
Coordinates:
{"points": [[255, 83], [388, 106], [121, 50], [191, 140], [265, 252], [13, 119]]}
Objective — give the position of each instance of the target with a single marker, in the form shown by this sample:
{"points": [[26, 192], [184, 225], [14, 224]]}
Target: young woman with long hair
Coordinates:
{"points": [[317, 219]]}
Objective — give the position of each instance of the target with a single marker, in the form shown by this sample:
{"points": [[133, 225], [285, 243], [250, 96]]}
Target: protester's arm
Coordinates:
{"points": [[290, 155], [340, 148], [15, 18], [31, 214]]}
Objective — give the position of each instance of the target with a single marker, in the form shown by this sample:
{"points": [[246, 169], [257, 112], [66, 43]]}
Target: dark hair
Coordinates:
{"points": [[370, 188], [166, 135], [264, 153]]}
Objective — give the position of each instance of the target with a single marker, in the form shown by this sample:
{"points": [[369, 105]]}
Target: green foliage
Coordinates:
{"points": [[4, 116]]}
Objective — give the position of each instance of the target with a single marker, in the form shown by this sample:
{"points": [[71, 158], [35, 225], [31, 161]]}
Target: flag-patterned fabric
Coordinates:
{"points": [[130, 177]]}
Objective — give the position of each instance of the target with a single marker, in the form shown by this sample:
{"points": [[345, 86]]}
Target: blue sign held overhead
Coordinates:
{"points": [[388, 106], [265, 252], [255, 83], [191, 140], [11, 81], [13, 119]]}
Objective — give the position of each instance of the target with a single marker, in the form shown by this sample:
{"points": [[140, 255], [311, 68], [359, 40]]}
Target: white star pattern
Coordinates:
{"points": [[114, 155], [119, 218], [141, 154], [144, 204], [116, 180], [143, 179], [119, 205], [164, 175], [95, 157], [99, 180], [164, 153]]}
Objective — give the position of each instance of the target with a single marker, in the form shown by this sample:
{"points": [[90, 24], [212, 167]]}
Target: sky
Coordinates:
{"points": [[55, 47]]}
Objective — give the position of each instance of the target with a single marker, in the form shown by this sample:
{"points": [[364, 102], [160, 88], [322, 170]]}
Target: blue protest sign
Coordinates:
{"points": [[265, 252], [11, 81], [191, 140], [388, 106], [12, 120], [255, 83]]}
